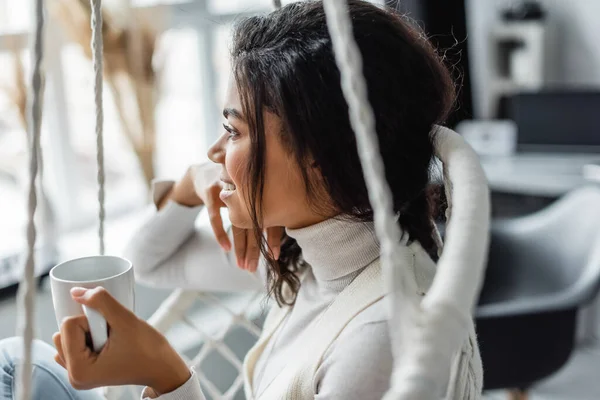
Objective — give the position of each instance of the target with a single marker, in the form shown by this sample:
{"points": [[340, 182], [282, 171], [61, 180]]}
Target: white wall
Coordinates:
{"points": [[572, 47]]}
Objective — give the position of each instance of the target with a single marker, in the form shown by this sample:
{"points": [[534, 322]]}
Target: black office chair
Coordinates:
{"points": [[542, 269]]}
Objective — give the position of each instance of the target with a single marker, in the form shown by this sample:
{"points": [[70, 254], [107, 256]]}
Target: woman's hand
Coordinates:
{"points": [[201, 185], [247, 252], [134, 354]]}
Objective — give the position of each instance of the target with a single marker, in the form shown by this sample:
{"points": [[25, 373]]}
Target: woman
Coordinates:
{"points": [[286, 163]]}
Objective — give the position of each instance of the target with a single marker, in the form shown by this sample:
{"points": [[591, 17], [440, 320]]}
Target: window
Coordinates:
{"points": [[180, 113], [14, 160], [239, 6], [124, 181], [192, 55], [13, 166]]}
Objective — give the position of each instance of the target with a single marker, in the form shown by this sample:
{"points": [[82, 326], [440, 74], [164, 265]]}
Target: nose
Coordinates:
{"points": [[216, 152]]}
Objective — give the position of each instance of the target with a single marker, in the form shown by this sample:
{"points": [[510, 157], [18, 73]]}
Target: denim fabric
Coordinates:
{"points": [[50, 380]]}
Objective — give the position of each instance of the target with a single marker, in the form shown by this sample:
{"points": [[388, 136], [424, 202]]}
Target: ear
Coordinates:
{"points": [[316, 175], [314, 170]]}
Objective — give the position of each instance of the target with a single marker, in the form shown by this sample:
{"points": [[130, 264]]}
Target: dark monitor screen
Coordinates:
{"points": [[560, 121]]}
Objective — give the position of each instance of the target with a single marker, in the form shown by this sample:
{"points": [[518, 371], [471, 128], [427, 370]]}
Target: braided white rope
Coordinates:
{"points": [[432, 332], [96, 23], [349, 61], [27, 287], [445, 313]]}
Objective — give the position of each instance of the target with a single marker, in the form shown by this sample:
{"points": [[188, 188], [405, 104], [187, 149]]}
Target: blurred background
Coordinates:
{"points": [[529, 103]]}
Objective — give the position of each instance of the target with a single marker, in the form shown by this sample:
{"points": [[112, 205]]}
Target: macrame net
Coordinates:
{"points": [[236, 317], [431, 331]]}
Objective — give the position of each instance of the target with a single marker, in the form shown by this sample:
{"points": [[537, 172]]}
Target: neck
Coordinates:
{"points": [[308, 219], [337, 246]]}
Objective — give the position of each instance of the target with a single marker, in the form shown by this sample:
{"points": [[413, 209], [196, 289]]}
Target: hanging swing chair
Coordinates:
{"points": [[434, 328]]}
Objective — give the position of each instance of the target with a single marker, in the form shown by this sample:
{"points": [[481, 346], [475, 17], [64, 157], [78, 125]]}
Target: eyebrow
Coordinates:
{"points": [[234, 113]]}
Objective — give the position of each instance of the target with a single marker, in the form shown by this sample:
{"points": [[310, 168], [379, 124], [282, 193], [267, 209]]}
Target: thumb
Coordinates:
{"points": [[100, 300]]}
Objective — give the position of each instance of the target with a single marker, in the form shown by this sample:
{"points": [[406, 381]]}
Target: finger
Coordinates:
{"points": [[239, 244], [100, 300], [79, 358], [203, 174], [252, 251], [60, 361], [75, 351], [274, 235], [56, 338], [59, 357], [216, 222]]}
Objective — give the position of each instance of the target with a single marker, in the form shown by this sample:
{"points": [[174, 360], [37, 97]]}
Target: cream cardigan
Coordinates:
{"points": [[297, 380]]}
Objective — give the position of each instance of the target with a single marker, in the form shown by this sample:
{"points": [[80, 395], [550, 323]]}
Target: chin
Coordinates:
{"points": [[240, 219]]}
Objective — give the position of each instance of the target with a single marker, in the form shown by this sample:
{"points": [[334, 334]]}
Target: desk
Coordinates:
{"points": [[537, 174]]}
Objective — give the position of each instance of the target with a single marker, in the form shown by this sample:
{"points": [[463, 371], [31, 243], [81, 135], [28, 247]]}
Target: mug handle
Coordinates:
{"points": [[98, 328]]}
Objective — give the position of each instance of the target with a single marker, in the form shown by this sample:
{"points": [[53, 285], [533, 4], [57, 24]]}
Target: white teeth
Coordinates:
{"points": [[228, 186]]}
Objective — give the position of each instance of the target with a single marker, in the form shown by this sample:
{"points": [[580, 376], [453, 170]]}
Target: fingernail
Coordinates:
{"points": [[226, 246], [276, 253], [240, 264], [78, 291]]}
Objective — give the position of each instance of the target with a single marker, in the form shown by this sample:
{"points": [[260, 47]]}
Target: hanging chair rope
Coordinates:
{"points": [[431, 332], [96, 23], [445, 313], [349, 61], [97, 59], [393, 241], [28, 285], [277, 4]]}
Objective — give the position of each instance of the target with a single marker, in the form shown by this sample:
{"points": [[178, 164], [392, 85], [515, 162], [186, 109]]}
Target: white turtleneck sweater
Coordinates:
{"points": [[174, 248]]}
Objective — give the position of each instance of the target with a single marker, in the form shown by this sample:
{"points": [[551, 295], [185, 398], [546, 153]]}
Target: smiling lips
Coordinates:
{"points": [[228, 186], [228, 189]]}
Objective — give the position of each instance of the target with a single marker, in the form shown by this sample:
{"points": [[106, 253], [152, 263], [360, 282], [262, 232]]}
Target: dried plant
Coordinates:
{"points": [[18, 95], [128, 71], [17, 92], [20, 92]]}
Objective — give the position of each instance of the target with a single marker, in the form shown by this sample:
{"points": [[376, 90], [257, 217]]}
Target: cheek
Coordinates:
{"points": [[236, 161], [284, 191]]}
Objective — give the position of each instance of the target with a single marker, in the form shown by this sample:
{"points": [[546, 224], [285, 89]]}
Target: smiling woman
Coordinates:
{"points": [[287, 162]]}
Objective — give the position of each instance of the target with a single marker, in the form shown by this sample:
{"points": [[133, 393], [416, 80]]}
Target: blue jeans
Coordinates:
{"points": [[50, 380]]}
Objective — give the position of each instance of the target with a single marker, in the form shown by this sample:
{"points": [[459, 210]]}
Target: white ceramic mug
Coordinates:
{"points": [[115, 274]]}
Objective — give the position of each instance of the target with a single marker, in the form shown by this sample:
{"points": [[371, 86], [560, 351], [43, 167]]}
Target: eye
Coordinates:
{"points": [[232, 133]]}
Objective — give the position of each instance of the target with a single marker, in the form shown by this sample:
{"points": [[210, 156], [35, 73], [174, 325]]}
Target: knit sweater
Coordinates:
{"points": [[174, 248]]}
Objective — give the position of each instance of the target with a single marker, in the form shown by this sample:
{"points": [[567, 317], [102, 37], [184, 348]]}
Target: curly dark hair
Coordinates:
{"points": [[283, 62]]}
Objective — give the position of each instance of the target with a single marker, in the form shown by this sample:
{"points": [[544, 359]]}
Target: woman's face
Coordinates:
{"points": [[285, 201]]}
